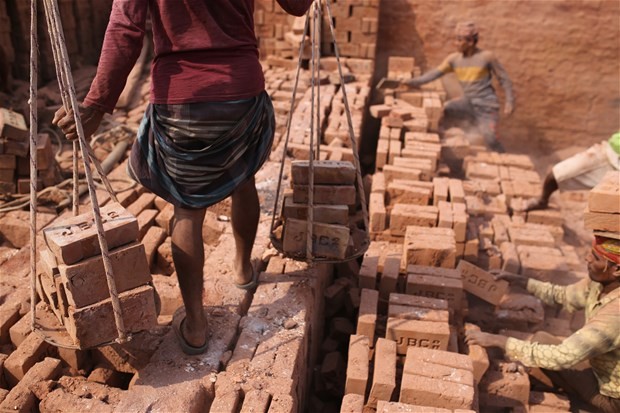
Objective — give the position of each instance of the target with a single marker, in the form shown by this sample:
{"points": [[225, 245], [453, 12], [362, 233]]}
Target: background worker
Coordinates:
{"points": [[208, 130], [474, 68], [581, 171], [597, 342]]}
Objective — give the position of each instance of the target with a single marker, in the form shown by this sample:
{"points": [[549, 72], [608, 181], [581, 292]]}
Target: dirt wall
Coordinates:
{"points": [[563, 58]]}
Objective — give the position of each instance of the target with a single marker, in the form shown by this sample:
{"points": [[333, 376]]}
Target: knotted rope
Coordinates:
{"points": [[315, 85], [67, 89]]}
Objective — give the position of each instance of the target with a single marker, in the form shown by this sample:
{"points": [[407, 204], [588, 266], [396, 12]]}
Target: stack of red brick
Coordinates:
{"points": [[603, 211], [73, 280], [14, 156], [356, 23], [334, 195]]}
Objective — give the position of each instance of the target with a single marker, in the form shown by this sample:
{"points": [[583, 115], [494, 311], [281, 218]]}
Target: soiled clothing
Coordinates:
{"points": [[598, 341], [483, 117], [475, 74], [205, 50], [586, 169], [195, 155]]}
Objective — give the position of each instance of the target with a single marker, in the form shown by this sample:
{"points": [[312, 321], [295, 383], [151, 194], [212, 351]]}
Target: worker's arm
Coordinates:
{"points": [[444, 68], [295, 7], [572, 297], [599, 336], [121, 48], [505, 83]]}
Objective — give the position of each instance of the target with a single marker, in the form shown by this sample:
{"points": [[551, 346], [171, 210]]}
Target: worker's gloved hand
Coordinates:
{"points": [[508, 109], [90, 116], [513, 279], [485, 339]]}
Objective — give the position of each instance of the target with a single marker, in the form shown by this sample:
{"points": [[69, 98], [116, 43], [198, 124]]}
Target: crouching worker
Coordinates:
{"points": [[597, 342]]}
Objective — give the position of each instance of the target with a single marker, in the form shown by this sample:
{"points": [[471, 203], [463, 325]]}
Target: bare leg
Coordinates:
{"points": [[189, 257], [579, 380], [549, 187], [244, 220]]}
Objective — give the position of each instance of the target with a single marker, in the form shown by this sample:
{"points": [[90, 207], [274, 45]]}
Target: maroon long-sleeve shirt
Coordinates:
{"points": [[205, 50]]}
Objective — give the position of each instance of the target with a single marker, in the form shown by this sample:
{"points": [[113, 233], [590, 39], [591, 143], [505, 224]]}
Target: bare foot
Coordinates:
{"points": [[195, 334], [243, 275]]}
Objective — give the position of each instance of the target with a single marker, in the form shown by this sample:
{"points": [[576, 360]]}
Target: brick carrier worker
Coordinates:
{"points": [[207, 131], [474, 68], [597, 342]]}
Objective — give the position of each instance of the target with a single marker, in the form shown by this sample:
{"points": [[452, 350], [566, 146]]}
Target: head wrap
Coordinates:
{"points": [[466, 29], [607, 247]]}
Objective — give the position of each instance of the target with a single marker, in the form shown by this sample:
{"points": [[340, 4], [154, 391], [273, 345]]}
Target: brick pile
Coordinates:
{"points": [[425, 277], [602, 215], [356, 25], [73, 281], [272, 24], [14, 156], [334, 195]]}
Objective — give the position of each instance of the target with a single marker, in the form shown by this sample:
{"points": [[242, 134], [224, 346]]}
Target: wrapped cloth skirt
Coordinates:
{"points": [[195, 155]]}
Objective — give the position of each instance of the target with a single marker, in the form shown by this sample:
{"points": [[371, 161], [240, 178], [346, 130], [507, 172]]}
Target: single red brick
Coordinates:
{"points": [[145, 201], [376, 209], [401, 192], [448, 289], [8, 162], [75, 238], [418, 301], [478, 355], [502, 387], [146, 220], [395, 407], [13, 125], [434, 271], [21, 399], [482, 284], [368, 271], [327, 214], [389, 277], [137, 306], [226, 402], [417, 313], [433, 392], [384, 376], [165, 218], [329, 241], [326, 194], [605, 196], [281, 403], [557, 402], [357, 366], [85, 283], [9, 315], [444, 358], [352, 403], [255, 401], [32, 350], [20, 330], [368, 314], [154, 237], [404, 215], [325, 172], [415, 333]]}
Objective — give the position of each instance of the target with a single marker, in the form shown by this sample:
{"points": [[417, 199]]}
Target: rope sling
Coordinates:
{"points": [[314, 14], [69, 100]]}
